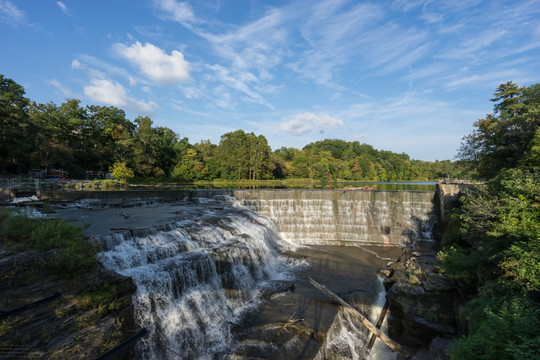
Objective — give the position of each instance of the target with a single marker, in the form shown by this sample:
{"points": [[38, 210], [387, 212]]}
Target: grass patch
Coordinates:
{"points": [[101, 298], [72, 255]]}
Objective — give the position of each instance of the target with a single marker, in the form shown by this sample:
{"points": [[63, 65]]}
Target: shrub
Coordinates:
{"points": [[73, 254]]}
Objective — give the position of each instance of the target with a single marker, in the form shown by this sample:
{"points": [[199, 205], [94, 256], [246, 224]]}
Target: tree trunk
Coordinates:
{"points": [[391, 343]]}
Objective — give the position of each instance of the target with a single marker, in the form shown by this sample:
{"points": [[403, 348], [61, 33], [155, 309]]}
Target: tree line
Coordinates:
{"points": [[75, 138], [491, 251]]}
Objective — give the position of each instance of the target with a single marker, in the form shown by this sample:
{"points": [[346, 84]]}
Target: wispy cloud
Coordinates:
{"points": [[62, 88], [406, 5], [490, 78], [306, 122], [98, 68], [157, 65], [473, 47], [11, 14], [248, 54], [63, 7], [415, 123], [111, 92], [180, 12], [333, 33]]}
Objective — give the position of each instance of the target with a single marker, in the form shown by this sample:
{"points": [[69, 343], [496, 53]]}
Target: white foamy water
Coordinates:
{"points": [[195, 280]]}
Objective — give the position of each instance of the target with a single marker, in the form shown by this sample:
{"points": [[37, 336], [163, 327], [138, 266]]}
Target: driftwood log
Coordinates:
{"points": [[384, 338], [379, 323]]}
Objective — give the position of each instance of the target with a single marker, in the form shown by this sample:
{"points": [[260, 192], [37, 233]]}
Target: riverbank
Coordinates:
{"points": [[51, 310]]}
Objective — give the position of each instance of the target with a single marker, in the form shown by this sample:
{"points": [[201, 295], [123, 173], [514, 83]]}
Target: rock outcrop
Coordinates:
{"points": [[92, 315], [422, 303]]}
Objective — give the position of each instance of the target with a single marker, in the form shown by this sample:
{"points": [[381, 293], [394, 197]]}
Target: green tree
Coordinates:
{"points": [[121, 172], [300, 166], [108, 135], [153, 149], [14, 143], [244, 156], [190, 167], [504, 138], [206, 152], [50, 145]]}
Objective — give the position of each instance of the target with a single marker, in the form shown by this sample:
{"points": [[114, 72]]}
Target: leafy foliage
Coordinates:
{"points": [[121, 172], [79, 138], [505, 138], [13, 121], [493, 251]]}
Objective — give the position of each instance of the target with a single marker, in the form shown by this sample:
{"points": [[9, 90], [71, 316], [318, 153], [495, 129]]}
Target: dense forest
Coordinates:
{"points": [[492, 250], [80, 138]]}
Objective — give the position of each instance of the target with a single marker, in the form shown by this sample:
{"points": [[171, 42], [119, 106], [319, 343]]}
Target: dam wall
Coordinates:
{"points": [[323, 217], [347, 217]]}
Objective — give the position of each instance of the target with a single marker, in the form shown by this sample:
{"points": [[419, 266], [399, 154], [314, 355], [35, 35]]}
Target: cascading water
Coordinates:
{"points": [[346, 217], [198, 278], [347, 338], [195, 279]]}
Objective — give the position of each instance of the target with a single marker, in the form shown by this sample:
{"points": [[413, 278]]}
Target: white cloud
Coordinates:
{"points": [[76, 64], [63, 89], [303, 123], [406, 5], [63, 7], [329, 30], [179, 11], [239, 82], [11, 14], [155, 63], [113, 93], [248, 53]]}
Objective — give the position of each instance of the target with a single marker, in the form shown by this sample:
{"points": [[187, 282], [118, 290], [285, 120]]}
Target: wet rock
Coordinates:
{"points": [[438, 347], [422, 302], [387, 273]]}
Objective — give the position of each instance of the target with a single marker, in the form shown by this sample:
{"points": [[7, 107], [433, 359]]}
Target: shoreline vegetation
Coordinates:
{"points": [[90, 141], [91, 311]]}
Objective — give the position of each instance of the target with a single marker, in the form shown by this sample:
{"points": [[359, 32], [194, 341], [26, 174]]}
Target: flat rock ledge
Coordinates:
{"points": [[92, 315]]}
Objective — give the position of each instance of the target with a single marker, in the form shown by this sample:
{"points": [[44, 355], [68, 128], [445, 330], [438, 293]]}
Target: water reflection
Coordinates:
{"points": [[351, 185]]}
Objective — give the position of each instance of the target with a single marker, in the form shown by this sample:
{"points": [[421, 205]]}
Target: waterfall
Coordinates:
{"points": [[199, 279], [347, 338], [195, 278], [338, 217]]}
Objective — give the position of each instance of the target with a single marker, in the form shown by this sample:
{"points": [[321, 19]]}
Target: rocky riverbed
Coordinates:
{"points": [[293, 313]]}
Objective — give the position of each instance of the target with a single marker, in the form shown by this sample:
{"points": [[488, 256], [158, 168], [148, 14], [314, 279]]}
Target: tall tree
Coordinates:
{"points": [[233, 155], [50, 146], [153, 149], [13, 121], [108, 134], [504, 138]]}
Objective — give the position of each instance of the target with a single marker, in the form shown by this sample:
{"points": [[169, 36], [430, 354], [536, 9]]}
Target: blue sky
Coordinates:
{"points": [[406, 75]]}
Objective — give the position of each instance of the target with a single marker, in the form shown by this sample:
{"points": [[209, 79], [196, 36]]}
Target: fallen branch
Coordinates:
{"points": [[289, 323], [379, 323], [391, 343]]}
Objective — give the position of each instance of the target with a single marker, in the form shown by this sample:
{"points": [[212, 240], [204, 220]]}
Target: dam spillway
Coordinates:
{"points": [[316, 217], [346, 217]]}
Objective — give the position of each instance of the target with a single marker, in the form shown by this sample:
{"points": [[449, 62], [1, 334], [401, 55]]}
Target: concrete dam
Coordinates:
{"points": [[317, 217], [346, 217]]}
